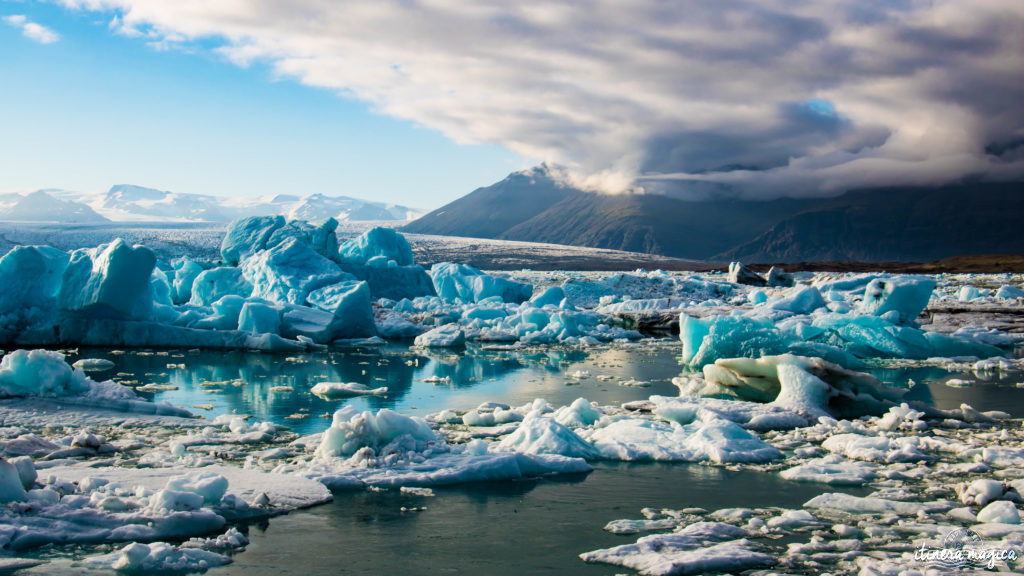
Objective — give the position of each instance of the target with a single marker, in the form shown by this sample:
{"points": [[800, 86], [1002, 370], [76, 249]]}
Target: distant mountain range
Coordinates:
{"points": [[128, 203], [890, 224]]}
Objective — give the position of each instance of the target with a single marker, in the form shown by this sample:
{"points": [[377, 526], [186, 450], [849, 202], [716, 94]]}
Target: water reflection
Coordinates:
{"points": [[277, 387]]}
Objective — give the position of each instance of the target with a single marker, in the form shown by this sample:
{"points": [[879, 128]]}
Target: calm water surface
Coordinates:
{"points": [[533, 527]]}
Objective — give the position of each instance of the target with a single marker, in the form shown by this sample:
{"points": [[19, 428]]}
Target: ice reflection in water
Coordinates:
{"points": [[257, 384]]}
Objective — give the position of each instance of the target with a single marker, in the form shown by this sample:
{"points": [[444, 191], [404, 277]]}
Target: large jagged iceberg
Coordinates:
{"points": [[111, 281]]}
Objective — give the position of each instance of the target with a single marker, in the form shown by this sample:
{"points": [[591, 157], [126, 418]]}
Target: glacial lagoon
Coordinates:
{"points": [[534, 526]]}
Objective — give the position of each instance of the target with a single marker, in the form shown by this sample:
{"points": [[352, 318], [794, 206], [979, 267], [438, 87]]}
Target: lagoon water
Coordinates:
{"points": [[531, 527]]}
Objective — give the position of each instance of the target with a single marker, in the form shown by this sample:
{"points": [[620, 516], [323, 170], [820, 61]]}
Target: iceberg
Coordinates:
{"points": [[740, 274], [538, 434], [447, 336], [715, 440], [810, 386], [349, 302], [110, 281], [31, 278], [346, 389], [288, 272], [463, 282], [211, 285], [377, 242], [186, 271], [907, 296], [248, 236]]}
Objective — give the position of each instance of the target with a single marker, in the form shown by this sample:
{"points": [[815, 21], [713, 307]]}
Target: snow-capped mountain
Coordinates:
{"points": [[129, 203], [42, 206]]}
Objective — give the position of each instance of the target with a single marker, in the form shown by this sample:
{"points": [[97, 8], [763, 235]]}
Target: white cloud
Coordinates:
{"points": [[32, 30], [770, 97]]}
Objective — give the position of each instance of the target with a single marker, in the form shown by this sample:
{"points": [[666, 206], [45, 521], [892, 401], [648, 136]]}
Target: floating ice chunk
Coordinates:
{"points": [[209, 486], [704, 547], [968, 293], [832, 469], [708, 339], [211, 285], [289, 271], [377, 242], [806, 385], [463, 282], [45, 373], [157, 557], [982, 491], [351, 430], [751, 415], [491, 414], [999, 512], [779, 277], [447, 336], [439, 467], [717, 441], [637, 526], [641, 439], [722, 441], [552, 296], [875, 448], [906, 295], [757, 297], [11, 487], [26, 471], [740, 274], [799, 300], [227, 541], [40, 373], [346, 389], [538, 434], [1009, 292], [31, 277], [872, 505], [110, 281], [93, 364], [792, 519], [415, 491], [350, 303], [578, 414]]}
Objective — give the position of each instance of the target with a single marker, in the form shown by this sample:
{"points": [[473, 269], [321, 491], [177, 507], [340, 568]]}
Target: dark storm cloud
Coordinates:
{"points": [[756, 98]]}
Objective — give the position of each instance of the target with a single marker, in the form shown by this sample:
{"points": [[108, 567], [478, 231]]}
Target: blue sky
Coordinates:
{"points": [[753, 98], [96, 108]]}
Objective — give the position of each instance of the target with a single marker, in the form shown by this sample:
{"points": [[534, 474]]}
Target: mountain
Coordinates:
{"points": [[880, 224], [532, 206], [39, 206], [898, 224], [489, 212], [130, 203]]}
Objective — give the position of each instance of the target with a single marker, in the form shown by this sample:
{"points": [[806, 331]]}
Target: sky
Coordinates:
{"points": [[420, 101]]}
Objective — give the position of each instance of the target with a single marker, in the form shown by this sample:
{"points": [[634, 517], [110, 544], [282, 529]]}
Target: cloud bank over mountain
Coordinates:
{"points": [[757, 99]]}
